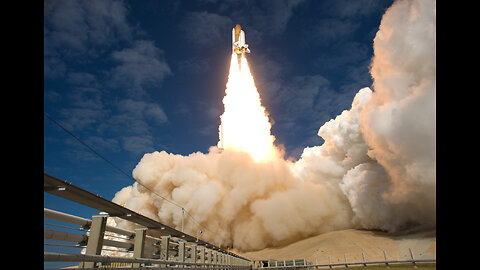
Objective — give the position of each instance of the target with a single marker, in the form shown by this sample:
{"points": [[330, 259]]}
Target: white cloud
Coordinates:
{"points": [[138, 144], [86, 109], [103, 144], [79, 118], [84, 27], [140, 66], [78, 33], [143, 110]]}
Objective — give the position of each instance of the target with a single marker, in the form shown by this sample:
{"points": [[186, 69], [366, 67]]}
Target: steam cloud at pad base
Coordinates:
{"points": [[375, 170]]}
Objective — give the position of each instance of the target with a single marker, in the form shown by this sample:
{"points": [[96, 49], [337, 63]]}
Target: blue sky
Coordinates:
{"points": [[133, 77]]}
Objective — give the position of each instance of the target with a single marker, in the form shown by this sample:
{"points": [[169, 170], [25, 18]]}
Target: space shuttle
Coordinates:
{"points": [[238, 41]]}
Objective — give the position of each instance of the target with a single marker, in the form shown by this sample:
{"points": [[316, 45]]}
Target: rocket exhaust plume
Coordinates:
{"points": [[244, 123], [375, 170]]}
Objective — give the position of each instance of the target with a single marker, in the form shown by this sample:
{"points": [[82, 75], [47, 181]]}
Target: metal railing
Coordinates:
{"points": [[108, 260], [304, 264], [102, 243]]}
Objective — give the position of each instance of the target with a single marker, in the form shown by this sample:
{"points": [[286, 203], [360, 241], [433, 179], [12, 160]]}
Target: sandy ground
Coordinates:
{"points": [[352, 243]]}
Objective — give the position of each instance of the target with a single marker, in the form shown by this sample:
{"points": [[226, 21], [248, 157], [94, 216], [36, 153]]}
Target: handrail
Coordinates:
{"points": [[64, 257], [71, 192], [146, 248], [86, 223], [413, 261]]}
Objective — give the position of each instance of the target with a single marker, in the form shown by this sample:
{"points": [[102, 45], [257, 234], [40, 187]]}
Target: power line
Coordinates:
{"points": [[118, 168], [86, 145]]}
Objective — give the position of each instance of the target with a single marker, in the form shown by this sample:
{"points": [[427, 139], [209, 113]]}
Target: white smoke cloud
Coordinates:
{"points": [[375, 170], [239, 202], [381, 152], [399, 124]]}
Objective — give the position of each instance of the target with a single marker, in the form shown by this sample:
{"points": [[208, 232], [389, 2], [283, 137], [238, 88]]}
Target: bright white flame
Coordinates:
{"points": [[244, 124]]}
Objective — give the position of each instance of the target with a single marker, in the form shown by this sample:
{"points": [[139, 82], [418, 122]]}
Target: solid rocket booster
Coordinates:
{"points": [[238, 40]]}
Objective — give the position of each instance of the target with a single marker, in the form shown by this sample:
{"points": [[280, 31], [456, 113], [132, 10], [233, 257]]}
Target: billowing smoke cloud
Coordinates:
{"points": [[375, 170], [382, 151], [238, 202], [399, 124]]}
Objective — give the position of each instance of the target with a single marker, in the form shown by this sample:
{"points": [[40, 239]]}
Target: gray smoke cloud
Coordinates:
{"points": [[375, 170]]}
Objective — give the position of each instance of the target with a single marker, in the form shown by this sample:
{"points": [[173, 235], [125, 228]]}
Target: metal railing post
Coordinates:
{"points": [[193, 253], [411, 255], [181, 253], [164, 247], [95, 239], [139, 246], [202, 254], [215, 257], [385, 256], [364, 264], [209, 256]]}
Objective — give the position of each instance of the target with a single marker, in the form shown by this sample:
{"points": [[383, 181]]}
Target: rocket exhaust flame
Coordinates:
{"points": [[244, 123]]}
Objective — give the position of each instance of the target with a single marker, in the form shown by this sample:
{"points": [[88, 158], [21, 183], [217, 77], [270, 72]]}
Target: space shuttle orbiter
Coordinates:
{"points": [[238, 40]]}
